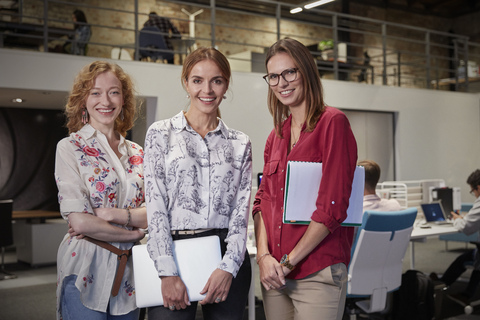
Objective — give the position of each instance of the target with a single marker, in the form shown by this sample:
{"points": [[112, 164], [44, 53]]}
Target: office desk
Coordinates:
{"points": [[28, 35], [421, 235], [182, 47], [327, 66], [35, 214], [37, 235]]}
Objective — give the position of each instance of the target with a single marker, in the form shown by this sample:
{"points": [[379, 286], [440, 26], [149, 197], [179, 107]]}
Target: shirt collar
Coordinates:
{"points": [[179, 123], [371, 197], [90, 132]]}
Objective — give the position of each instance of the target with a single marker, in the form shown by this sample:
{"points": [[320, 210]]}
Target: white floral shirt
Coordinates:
{"points": [[193, 183], [90, 175]]}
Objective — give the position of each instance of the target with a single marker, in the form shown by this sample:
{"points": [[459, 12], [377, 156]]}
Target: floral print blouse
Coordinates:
{"points": [[90, 175], [194, 183]]}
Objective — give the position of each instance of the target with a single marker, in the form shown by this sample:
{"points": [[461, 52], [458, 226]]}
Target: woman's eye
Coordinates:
{"points": [[196, 81], [218, 81], [273, 76]]}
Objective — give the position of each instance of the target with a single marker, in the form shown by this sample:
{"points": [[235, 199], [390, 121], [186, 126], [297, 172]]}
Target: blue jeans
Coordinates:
{"points": [[231, 309], [73, 308]]}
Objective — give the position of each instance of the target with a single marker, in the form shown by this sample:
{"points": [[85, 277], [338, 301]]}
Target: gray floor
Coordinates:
{"points": [[430, 256]]}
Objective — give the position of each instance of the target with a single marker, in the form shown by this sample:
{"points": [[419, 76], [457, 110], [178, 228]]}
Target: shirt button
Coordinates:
{"points": [[279, 227], [282, 170], [281, 189], [278, 244]]}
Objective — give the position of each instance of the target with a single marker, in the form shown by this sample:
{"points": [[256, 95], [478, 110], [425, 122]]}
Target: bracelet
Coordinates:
{"points": [[129, 218], [262, 256]]}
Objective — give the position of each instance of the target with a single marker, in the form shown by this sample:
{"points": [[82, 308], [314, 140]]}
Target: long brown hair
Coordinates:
{"points": [[82, 85], [312, 86], [207, 54]]}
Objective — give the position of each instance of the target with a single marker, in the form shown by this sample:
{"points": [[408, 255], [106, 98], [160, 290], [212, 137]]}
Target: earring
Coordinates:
{"points": [[121, 115], [85, 116], [224, 97], [188, 96]]}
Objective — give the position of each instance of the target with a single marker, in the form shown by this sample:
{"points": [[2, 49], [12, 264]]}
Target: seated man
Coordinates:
{"points": [[371, 201], [166, 27], [468, 224]]}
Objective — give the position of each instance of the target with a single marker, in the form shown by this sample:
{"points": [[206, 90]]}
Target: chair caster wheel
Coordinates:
{"points": [[468, 309]]}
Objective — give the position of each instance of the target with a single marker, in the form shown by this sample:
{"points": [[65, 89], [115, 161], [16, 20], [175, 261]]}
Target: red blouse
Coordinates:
{"points": [[331, 142]]}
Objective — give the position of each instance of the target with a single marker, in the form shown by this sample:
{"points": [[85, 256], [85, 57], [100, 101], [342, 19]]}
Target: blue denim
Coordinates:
{"points": [[73, 308], [230, 309]]}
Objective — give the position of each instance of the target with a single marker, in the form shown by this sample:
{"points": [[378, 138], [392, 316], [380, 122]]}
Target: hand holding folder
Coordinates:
{"points": [[301, 191]]}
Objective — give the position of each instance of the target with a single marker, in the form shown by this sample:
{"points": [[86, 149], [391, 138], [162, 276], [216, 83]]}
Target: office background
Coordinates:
{"points": [[435, 133], [412, 133]]}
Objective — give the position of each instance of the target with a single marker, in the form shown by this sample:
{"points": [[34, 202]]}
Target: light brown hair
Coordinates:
{"points": [[207, 54], [312, 86]]}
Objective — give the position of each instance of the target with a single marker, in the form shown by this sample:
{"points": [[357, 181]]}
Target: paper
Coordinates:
{"points": [[301, 191]]}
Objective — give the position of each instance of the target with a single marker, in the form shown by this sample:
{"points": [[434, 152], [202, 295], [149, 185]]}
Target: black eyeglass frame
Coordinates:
{"points": [[282, 74]]}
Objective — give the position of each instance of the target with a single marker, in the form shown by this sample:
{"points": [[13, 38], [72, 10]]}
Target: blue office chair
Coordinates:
{"points": [[152, 44], [461, 237], [377, 256]]}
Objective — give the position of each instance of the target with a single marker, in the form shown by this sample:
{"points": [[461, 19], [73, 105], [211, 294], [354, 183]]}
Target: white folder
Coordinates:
{"points": [[196, 259], [301, 192]]}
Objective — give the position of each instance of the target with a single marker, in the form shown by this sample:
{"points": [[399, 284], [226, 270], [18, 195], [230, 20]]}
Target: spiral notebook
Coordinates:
{"points": [[196, 259]]}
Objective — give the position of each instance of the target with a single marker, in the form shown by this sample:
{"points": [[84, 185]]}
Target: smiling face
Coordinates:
{"points": [[105, 100], [206, 87], [289, 93]]}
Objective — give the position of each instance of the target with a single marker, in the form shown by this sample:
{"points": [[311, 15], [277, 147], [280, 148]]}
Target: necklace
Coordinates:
{"points": [[295, 139]]}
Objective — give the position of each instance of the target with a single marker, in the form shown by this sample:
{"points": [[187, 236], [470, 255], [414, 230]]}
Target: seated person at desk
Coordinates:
{"points": [[165, 26], [79, 40], [468, 224], [371, 201]]}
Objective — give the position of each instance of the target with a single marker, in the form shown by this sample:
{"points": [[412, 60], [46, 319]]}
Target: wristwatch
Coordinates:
{"points": [[286, 263]]}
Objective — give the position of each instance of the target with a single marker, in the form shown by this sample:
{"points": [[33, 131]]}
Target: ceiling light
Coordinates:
{"points": [[317, 3], [296, 10], [17, 100]]}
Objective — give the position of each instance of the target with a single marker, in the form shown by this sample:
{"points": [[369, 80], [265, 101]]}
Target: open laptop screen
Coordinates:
{"points": [[433, 212]]}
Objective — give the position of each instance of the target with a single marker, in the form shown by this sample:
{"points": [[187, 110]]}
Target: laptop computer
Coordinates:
{"points": [[434, 213], [196, 259]]}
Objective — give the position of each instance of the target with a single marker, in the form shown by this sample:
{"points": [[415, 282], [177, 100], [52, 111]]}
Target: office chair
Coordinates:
{"points": [[6, 234], [377, 256], [153, 45]]}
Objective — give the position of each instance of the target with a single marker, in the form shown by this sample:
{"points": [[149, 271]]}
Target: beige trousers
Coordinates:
{"points": [[320, 295]]}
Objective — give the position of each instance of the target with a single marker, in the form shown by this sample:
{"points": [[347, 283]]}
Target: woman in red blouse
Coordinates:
{"points": [[303, 268]]}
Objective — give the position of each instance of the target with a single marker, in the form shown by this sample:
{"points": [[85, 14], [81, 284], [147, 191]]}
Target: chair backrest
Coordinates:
{"points": [[150, 37], [6, 234], [382, 240], [466, 207]]}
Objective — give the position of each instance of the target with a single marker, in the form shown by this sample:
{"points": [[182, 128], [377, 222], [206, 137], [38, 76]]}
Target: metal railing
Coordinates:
{"points": [[363, 49]]}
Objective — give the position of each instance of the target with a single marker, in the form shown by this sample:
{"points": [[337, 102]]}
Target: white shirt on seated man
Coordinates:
{"points": [[371, 201]]}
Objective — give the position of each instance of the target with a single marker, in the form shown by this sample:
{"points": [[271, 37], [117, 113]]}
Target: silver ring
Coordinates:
{"points": [[172, 307], [218, 299], [271, 287]]}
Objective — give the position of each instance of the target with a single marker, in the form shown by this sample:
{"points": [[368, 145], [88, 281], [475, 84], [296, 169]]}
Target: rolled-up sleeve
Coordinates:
{"points": [[72, 193], [339, 161]]}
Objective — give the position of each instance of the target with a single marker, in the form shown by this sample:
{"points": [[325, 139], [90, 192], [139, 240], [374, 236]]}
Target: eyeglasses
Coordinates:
{"points": [[288, 75]]}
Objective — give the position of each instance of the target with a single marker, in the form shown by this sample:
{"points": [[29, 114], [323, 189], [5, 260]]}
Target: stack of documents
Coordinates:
{"points": [[301, 192]]}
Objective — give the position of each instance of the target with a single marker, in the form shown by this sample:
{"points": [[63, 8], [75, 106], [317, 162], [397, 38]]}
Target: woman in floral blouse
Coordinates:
{"points": [[99, 176], [198, 182]]}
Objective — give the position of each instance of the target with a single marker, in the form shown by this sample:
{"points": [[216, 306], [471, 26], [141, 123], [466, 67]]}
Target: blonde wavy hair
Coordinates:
{"points": [[84, 82]]}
